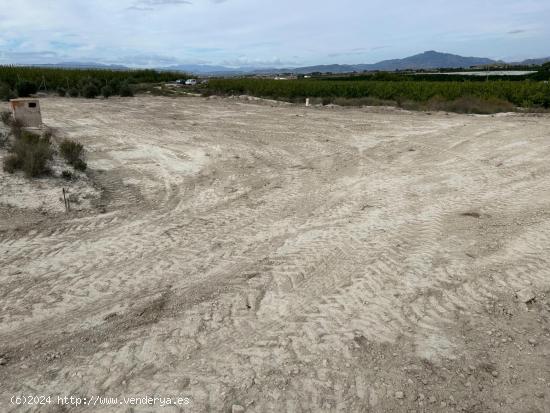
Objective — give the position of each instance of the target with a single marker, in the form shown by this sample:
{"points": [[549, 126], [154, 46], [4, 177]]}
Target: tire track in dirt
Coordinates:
{"points": [[326, 244]]}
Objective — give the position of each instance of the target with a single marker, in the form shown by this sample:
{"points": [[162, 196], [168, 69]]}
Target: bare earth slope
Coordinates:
{"points": [[281, 258]]}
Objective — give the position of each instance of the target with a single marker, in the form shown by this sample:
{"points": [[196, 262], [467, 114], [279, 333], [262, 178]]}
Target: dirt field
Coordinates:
{"points": [[276, 258]]}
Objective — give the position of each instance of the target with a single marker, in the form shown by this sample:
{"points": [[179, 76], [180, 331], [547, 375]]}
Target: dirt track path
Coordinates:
{"points": [[286, 259]]}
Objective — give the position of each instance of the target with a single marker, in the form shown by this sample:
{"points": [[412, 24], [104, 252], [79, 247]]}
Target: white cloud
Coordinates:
{"points": [[261, 32]]}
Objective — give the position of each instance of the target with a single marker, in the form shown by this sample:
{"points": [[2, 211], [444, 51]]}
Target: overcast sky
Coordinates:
{"points": [[268, 33]]}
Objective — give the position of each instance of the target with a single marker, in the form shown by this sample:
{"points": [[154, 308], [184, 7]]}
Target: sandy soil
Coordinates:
{"points": [[258, 257]]}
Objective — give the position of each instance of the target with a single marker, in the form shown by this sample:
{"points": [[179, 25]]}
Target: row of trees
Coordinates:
{"points": [[87, 87], [523, 93], [16, 81], [91, 87]]}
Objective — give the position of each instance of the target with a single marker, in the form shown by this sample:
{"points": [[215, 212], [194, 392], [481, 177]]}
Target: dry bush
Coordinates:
{"points": [[67, 175], [72, 152], [30, 153], [4, 139], [5, 117], [16, 127], [11, 163]]}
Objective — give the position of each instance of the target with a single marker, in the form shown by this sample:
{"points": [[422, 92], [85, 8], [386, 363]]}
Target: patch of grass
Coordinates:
{"points": [[29, 153], [72, 152]]}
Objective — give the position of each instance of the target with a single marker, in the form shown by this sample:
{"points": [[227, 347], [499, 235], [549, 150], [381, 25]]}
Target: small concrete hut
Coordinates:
{"points": [[27, 111]]}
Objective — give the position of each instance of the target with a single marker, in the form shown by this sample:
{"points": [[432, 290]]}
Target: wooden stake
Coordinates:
{"points": [[65, 201]]}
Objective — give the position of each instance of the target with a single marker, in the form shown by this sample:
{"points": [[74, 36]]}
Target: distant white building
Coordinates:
{"points": [[26, 111]]}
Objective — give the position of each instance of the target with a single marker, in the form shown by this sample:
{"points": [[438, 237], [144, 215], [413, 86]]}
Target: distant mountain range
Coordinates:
{"points": [[427, 60], [529, 62]]}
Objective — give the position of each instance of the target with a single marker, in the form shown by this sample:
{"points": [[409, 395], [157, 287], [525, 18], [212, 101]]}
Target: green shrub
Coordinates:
{"points": [[541, 100], [25, 88], [89, 87], [106, 91], [61, 92], [89, 91], [89, 81], [31, 154], [114, 84], [73, 92], [126, 90]]}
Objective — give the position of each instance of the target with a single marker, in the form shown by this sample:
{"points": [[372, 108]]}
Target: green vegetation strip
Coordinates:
{"points": [[17, 81], [524, 94]]}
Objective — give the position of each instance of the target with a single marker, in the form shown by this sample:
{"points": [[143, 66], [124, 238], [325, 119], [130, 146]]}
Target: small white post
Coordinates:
{"points": [[307, 102]]}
